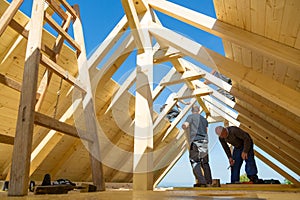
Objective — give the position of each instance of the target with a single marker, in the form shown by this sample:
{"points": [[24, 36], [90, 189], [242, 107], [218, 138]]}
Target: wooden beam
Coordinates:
{"points": [[52, 138], [166, 54], [257, 82], [273, 49], [179, 118], [51, 123], [166, 170], [159, 88], [10, 82], [186, 76], [134, 24], [123, 88], [223, 114], [107, 45], [226, 109], [47, 62], [102, 75], [88, 106], [9, 14], [19, 179], [6, 139], [23, 31], [196, 93], [162, 114], [277, 169]]}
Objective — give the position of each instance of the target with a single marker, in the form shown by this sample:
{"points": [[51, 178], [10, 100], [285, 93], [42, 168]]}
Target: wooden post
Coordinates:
{"points": [[143, 132], [88, 106], [19, 179]]}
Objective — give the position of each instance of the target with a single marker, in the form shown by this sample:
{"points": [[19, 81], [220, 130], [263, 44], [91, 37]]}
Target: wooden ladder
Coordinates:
{"points": [[32, 95]]}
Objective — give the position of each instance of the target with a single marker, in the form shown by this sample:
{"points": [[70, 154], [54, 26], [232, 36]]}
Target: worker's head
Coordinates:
{"points": [[221, 131], [195, 109]]}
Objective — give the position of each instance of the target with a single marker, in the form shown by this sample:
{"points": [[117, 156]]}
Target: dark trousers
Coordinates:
{"points": [[250, 168], [199, 159]]}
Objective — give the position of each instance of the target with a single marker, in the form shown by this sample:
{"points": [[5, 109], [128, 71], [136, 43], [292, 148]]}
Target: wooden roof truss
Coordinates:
{"points": [[267, 107]]}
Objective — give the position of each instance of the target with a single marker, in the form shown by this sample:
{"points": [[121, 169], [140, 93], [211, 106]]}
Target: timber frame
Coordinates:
{"points": [[109, 120]]}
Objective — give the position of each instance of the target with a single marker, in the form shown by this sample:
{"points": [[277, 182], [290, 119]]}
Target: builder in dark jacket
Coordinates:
{"points": [[243, 150]]}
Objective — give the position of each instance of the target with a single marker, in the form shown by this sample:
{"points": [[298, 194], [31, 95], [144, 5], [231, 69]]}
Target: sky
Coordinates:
{"points": [[99, 17]]}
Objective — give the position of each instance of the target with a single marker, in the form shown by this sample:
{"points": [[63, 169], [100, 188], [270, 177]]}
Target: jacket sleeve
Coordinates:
{"points": [[225, 147]]}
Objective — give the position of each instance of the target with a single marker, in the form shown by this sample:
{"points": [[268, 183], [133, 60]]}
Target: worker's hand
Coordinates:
{"points": [[244, 156], [185, 125], [231, 161]]}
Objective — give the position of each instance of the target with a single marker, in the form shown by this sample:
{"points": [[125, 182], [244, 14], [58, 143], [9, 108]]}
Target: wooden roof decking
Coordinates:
{"points": [[275, 127], [265, 85]]}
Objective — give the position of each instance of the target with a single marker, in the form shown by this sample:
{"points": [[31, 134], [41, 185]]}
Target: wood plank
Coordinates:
{"points": [[176, 121], [163, 113], [243, 14], [274, 14], [19, 178], [231, 13], [289, 31], [258, 18], [9, 14]]}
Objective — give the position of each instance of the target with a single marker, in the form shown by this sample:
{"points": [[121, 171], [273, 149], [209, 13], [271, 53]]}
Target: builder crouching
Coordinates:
{"points": [[243, 150]]}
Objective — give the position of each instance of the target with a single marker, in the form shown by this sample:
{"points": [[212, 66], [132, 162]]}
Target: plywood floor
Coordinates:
{"points": [[175, 193]]}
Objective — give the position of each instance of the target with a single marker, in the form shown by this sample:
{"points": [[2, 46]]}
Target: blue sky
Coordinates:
{"points": [[100, 16]]}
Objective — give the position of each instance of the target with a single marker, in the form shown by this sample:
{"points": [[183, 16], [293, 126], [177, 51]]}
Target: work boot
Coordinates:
{"points": [[200, 185]]}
